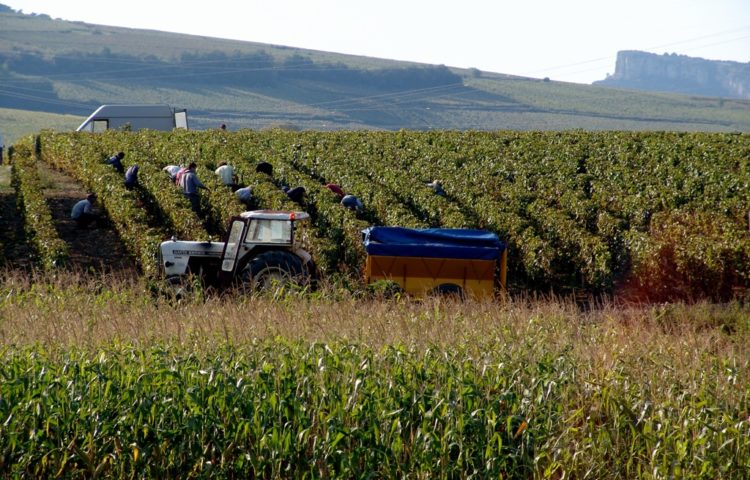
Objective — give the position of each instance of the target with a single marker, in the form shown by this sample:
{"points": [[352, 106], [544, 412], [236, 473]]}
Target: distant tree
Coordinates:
{"points": [[5, 9], [298, 61], [290, 127]]}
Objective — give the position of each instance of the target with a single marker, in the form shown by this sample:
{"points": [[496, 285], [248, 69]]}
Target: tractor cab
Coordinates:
{"points": [[257, 231]]}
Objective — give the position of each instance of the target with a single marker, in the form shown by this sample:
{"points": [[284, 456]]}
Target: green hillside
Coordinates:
{"points": [[69, 68], [16, 123]]}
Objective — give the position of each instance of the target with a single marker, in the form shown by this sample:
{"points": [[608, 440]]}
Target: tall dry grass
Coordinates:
{"points": [[87, 310]]}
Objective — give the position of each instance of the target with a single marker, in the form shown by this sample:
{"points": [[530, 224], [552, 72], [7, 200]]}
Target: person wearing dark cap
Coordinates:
{"points": [[116, 161], [83, 211], [352, 203], [190, 186], [295, 194], [264, 167]]}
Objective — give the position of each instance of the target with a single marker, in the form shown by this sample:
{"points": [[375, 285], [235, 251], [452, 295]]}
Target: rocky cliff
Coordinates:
{"points": [[680, 74]]}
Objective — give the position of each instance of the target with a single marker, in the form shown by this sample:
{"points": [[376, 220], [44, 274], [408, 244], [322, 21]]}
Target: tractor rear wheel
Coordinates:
{"points": [[273, 270]]}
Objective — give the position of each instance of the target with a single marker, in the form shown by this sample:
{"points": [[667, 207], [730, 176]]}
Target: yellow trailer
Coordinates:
{"points": [[465, 262]]}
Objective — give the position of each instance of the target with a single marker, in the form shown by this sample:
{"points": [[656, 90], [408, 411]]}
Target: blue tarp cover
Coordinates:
{"points": [[432, 242]]}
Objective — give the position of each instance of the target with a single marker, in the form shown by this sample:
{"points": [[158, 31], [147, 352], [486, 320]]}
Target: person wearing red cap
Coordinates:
{"points": [[336, 189]]}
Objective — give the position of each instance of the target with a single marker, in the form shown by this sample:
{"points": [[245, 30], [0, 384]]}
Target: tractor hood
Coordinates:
{"points": [[175, 254]]}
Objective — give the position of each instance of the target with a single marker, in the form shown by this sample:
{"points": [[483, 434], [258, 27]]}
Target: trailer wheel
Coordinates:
{"points": [[385, 289], [272, 270], [449, 290]]}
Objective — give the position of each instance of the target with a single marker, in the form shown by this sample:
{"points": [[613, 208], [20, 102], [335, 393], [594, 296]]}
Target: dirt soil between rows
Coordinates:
{"points": [[94, 249], [15, 249]]}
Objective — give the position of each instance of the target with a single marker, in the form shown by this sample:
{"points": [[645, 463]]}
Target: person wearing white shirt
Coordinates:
{"points": [[172, 170], [226, 173]]}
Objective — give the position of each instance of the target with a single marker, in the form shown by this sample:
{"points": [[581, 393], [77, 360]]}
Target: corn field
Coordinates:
{"points": [[104, 382]]}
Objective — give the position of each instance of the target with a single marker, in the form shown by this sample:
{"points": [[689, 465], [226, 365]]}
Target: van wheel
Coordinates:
{"points": [[272, 270]]}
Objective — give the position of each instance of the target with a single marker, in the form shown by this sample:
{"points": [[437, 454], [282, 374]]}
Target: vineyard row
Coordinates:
{"points": [[592, 211]]}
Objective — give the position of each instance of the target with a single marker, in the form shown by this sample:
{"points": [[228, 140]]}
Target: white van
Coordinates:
{"points": [[135, 117]]}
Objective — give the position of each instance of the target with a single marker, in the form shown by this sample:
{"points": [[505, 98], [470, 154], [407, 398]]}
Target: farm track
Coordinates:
{"points": [[93, 249]]}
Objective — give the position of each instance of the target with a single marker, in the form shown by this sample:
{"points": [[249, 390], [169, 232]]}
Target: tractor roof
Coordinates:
{"points": [[275, 215]]}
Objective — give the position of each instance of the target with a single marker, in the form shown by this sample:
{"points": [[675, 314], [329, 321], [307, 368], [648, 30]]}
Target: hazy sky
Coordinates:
{"points": [[574, 40]]}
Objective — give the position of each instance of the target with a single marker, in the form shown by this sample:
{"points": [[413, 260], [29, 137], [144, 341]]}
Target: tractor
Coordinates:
{"points": [[259, 254]]}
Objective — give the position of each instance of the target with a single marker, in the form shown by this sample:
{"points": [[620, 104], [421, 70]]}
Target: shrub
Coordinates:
{"points": [[689, 255]]}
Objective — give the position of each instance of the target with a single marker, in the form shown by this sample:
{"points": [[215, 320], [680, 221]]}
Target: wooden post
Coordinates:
{"points": [[504, 269]]}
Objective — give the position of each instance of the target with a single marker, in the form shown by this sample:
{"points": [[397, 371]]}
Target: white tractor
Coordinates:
{"points": [[259, 254]]}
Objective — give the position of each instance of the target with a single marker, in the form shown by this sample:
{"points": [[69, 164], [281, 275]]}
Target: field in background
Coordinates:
{"points": [[17, 123], [73, 67]]}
